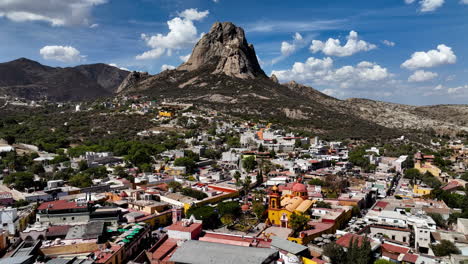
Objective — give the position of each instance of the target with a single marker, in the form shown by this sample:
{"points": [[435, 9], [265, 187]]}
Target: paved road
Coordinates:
{"points": [[16, 194]]}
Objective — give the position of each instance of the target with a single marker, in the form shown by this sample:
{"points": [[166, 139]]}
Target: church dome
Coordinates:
{"points": [[299, 187]]}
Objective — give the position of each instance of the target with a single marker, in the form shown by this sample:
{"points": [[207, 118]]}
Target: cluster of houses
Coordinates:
{"points": [[144, 220]]}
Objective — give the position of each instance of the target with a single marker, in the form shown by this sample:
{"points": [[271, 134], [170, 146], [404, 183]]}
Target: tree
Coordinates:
{"points": [[21, 180], [175, 186], [237, 177], [141, 156], [120, 171], [335, 253], [186, 162], [82, 165], [412, 174], [21, 203], [298, 223], [322, 204], [10, 139], [261, 148], [194, 193], [445, 248], [258, 209], [316, 181], [37, 168], [81, 180], [357, 253], [249, 163], [259, 178], [246, 184], [205, 213], [229, 208], [438, 219], [383, 261], [145, 167]]}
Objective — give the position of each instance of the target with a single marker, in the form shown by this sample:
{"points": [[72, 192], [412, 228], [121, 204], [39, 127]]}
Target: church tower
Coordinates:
{"points": [[274, 198]]}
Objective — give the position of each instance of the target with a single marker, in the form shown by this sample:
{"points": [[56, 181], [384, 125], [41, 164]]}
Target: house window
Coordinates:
{"points": [[73, 218], [404, 239], [393, 237], [64, 218]]}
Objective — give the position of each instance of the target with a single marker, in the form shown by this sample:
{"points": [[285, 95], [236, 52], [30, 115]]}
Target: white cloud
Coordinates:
{"points": [[322, 72], [291, 26], [431, 58], [428, 5], [182, 34], [117, 66], [388, 43], [185, 58], [94, 26], [61, 53], [216, 1], [289, 48], [56, 13], [151, 54], [193, 14], [422, 76], [167, 67], [454, 92], [332, 47], [464, 2]]}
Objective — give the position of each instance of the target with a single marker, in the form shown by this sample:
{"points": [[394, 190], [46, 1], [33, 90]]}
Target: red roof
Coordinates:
{"points": [[179, 226], [380, 205], [411, 258], [59, 230], [345, 240], [317, 227], [165, 249], [60, 205], [394, 249], [235, 240]]}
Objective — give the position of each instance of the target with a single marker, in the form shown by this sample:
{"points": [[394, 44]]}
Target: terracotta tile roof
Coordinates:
{"points": [[411, 258], [394, 249], [165, 249], [60, 205], [59, 230]]}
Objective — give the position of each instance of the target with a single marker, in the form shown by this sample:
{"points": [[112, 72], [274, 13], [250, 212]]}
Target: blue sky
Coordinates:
{"points": [[404, 51]]}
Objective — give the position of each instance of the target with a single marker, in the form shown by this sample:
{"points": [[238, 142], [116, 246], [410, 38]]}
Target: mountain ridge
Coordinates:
{"points": [[32, 80], [223, 74]]}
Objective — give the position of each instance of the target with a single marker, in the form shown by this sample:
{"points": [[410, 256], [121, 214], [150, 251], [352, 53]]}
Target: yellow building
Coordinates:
{"points": [[420, 191], [166, 114], [281, 207], [427, 167]]}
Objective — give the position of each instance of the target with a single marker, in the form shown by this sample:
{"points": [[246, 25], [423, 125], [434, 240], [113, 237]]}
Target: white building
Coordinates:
{"points": [[8, 217]]}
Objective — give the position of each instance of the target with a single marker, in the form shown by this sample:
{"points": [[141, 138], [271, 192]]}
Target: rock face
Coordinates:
{"points": [[131, 80], [226, 48]]}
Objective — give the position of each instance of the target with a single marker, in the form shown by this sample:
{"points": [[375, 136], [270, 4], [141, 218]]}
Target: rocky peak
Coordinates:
{"points": [[274, 78], [131, 80], [226, 48]]}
